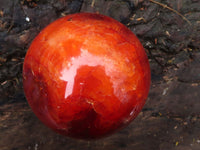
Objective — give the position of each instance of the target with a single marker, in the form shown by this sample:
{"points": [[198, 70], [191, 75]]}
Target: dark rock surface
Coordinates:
{"points": [[170, 119]]}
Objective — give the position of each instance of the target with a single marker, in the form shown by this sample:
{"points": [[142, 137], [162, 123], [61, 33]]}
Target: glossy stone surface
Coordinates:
{"points": [[86, 76]]}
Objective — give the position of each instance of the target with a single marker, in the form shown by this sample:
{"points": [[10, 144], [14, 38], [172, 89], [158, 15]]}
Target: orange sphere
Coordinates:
{"points": [[86, 75]]}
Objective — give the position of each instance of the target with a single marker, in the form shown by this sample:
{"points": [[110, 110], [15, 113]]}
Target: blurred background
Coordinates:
{"points": [[170, 33]]}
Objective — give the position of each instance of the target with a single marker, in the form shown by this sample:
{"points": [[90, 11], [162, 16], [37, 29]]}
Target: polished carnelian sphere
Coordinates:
{"points": [[86, 75]]}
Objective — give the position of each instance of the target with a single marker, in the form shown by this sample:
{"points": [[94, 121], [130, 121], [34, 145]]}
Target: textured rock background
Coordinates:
{"points": [[170, 119]]}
